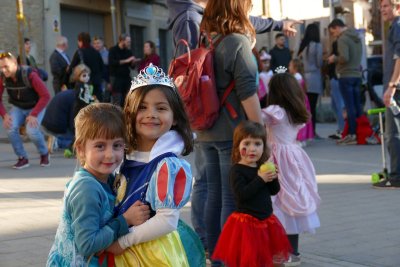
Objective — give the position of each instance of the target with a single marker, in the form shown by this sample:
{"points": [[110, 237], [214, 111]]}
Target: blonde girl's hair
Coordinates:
{"points": [[132, 103], [98, 120], [78, 70], [393, 2], [299, 66], [247, 129], [285, 91], [228, 16]]}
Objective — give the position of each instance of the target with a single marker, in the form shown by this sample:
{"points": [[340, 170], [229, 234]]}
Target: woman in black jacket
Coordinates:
{"points": [[89, 56]]}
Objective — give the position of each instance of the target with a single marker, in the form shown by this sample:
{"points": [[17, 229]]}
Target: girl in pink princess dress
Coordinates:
{"points": [[297, 70], [297, 202]]}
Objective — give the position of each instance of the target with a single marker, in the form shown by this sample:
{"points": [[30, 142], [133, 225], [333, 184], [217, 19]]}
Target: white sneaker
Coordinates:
{"points": [[294, 260], [349, 139]]}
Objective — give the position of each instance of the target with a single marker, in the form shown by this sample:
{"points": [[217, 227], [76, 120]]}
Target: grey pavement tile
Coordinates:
{"points": [[322, 261], [358, 225], [36, 256], [13, 262], [388, 261]]}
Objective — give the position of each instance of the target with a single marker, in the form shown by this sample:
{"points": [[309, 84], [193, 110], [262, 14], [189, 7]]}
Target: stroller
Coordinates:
{"points": [[370, 99], [370, 79]]}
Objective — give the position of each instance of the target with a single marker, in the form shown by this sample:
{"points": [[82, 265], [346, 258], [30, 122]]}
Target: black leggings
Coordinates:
{"points": [[313, 99], [294, 241]]}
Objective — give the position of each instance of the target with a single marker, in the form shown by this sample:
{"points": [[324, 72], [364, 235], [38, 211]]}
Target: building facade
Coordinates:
{"points": [[355, 13], [144, 20], [44, 20]]}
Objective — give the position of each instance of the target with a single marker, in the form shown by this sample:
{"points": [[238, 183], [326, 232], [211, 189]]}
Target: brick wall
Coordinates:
{"points": [[33, 11]]}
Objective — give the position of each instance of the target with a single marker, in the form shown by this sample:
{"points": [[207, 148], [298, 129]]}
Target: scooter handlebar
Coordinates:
{"points": [[376, 111]]}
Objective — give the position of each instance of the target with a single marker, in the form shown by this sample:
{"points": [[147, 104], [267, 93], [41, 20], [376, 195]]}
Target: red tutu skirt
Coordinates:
{"points": [[246, 241]]}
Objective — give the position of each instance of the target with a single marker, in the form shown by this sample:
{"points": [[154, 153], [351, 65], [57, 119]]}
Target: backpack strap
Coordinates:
{"points": [[228, 105], [228, 90], [25, 71], [172, 67]]}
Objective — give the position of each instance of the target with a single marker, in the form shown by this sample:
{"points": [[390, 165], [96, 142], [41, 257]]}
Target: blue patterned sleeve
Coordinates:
{"points": [[86, 201], [170, 184]]}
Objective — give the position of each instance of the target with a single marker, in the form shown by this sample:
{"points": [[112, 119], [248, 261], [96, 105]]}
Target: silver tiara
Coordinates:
{"points": [[281, 69], [151, 75]]}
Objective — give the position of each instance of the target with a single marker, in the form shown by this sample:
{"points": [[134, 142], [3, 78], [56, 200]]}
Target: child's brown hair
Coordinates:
{"points": [[98, 120], [249, 129], [285, 91], [182, 126], [299, 66]]}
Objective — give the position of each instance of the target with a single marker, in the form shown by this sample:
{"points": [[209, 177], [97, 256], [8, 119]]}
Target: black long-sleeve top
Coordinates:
{"points": [[252, 194]]}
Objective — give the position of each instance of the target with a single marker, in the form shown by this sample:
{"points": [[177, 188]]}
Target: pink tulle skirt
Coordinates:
{"points": [[307, 132], [246, 241]]}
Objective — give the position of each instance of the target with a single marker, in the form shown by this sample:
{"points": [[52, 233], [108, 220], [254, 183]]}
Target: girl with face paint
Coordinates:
{"points": [[252, 235]]}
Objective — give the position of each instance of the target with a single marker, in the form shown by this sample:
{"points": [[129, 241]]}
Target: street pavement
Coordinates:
{"points": [[359, 224]]}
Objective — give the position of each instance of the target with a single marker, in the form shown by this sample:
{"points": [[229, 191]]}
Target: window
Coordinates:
{"points": [[137, 40]]}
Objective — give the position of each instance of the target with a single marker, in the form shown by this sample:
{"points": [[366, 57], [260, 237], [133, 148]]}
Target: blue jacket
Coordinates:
{"points": [[185, 17], [87, 225], [59, 113]]}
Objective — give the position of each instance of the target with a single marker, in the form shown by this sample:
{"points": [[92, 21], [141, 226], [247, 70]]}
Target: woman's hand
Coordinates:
{"points": [[289, 27]]}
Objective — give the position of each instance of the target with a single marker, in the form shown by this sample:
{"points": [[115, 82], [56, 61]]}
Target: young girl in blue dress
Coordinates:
{"points": [[153, 172], [87, 225], [252, 235]]}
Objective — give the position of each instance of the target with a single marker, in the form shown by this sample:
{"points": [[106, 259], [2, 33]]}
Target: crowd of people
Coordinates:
{"points": [[253, 188]]}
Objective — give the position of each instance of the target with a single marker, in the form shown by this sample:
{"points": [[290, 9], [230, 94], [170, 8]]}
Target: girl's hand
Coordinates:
{"points": [[115, 248], [268, 176], [137, 214]]}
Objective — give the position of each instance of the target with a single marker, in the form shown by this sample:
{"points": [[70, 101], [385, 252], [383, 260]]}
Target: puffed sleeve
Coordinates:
{"points": [[273, 114], [170, 185]]}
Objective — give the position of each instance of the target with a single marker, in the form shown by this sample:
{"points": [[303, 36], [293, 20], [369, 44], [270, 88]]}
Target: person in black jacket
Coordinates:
{"points": [[59, 62], [280, 54], [58, 119], [120, 60], [89, 56]]}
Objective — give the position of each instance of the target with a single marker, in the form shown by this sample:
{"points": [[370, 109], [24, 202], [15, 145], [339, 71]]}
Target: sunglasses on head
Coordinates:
{"points": [[5, 55]]}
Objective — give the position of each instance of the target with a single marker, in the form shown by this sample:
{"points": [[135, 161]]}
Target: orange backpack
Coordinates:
{"points": [[193, 74]]}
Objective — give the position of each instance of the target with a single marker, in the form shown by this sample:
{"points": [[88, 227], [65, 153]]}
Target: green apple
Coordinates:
{"points": [[268, 166]]}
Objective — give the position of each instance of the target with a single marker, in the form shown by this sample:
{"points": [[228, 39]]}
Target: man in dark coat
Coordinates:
{"points": [[59, 62]]}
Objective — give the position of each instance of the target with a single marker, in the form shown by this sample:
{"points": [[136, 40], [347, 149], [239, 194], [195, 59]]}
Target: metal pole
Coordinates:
{"points": [[20, 23], [264, 7], [114, 26], [331, 11]]}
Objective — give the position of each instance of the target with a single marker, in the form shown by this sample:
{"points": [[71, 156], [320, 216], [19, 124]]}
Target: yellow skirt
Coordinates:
{"points": [[166, 251]]}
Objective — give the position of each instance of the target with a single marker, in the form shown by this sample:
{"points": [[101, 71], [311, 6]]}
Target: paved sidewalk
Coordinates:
{"points": [[359, 225]]}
